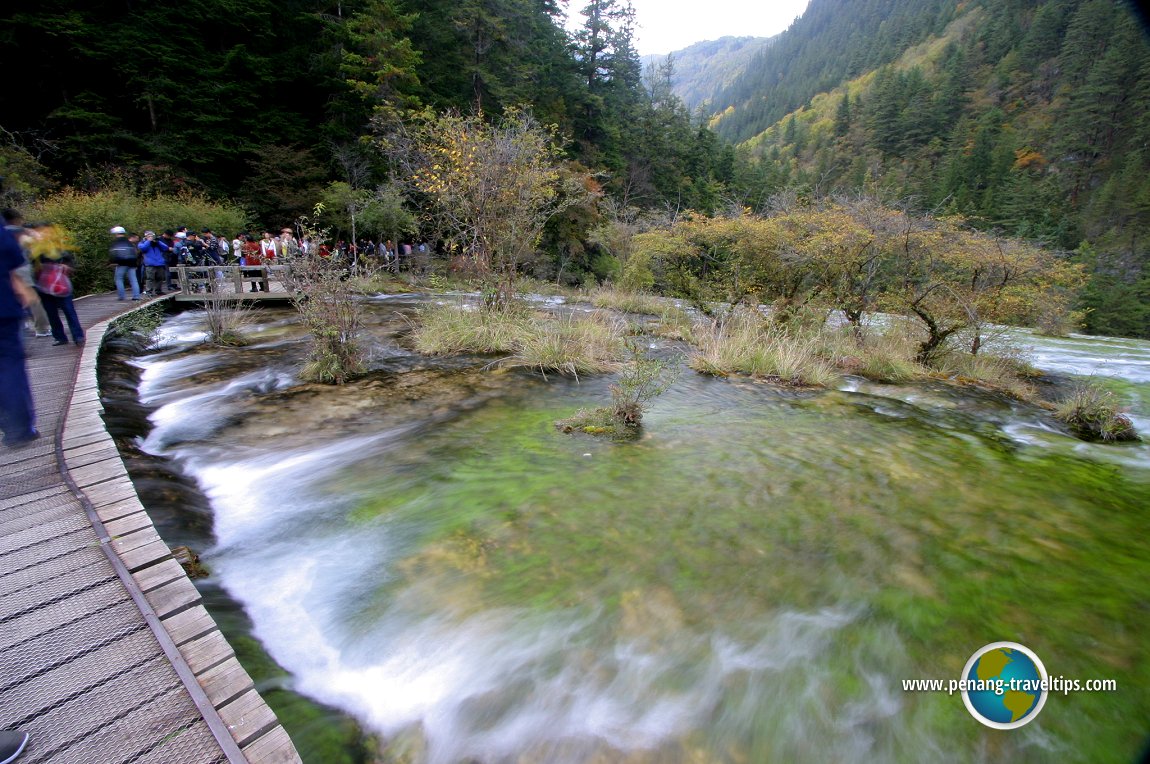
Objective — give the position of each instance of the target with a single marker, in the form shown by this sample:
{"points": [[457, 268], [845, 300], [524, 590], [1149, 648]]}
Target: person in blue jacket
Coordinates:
{"points": [[17, 414], [154, 251]]}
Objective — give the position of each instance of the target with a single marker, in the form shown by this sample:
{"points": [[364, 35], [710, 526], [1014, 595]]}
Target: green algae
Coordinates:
{"points": [[933, 523]]}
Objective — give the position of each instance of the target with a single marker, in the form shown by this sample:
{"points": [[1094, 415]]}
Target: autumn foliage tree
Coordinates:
{"points": [[489, 188], [858, 257]]}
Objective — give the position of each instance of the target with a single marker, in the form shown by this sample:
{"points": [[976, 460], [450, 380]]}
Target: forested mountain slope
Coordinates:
{"points": [[706, 68], [1028, 116]]}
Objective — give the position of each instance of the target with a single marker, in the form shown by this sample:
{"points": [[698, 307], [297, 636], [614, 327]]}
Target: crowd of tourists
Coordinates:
{"points": [[146, 263]]}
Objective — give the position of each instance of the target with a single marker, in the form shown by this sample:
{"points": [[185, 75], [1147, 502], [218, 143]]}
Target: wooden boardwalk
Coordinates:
{"points": [[106, 652]]}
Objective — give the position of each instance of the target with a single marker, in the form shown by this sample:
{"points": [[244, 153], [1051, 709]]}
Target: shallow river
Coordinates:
{"points": [[748, 582]]}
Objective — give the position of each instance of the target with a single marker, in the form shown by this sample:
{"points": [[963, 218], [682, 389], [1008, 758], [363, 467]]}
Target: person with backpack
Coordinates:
{"points": [[124, 255], [52, 264]]}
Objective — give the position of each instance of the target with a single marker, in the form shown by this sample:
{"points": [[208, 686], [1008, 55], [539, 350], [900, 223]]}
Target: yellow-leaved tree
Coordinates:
{"points": [[489, 188]]}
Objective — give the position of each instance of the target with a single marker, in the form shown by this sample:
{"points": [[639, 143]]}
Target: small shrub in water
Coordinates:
{"points": [[644, 379], [225, 318]]}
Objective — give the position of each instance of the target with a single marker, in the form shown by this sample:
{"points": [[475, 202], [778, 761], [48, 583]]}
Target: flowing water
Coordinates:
{"points": [[748, 582]]}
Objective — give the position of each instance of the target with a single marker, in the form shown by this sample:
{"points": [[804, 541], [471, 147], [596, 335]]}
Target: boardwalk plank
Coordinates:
{"points": [[36, 536], [35, 514], [173, 596], [111, 468], [189, 624], [149, 554], [45, 570], [71, 640], [104, 451], [187, 746], [158, 575], [31, 497], [273, 748], [225, 682], [100, 708], [128, 524], [151, 729], [248, 717], [123, 508], [67, 583], [40, 694], [207, 652]]}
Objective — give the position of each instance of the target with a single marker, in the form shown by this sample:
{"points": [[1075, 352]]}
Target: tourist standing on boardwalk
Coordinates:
{"points": [[268, 247], [123, 254], [14, 222], [252, 256], [238, 248], [17, 415], [155, 263], [52, 265]]}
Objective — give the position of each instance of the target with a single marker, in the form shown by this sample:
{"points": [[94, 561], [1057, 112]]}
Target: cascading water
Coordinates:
{"points": [[750, 581]]}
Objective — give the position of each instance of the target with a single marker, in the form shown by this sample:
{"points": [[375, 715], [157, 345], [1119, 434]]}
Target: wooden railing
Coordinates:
{"points": [[235, 281]]}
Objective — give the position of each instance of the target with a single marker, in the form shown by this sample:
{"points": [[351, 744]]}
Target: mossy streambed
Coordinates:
{"points": [[749, 581]]}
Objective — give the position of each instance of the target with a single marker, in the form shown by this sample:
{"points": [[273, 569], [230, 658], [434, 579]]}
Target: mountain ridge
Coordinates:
{"points": [[704, 68]]}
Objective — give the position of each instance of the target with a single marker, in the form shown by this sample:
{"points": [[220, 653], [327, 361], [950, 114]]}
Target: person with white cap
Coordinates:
{"points": [[123, 255]]}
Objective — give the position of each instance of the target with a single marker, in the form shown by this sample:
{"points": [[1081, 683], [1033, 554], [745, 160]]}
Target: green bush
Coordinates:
{"points": [[86, 216]]}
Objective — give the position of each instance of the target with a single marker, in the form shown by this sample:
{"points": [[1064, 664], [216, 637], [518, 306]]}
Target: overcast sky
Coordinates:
{"points": [[665, 26]]}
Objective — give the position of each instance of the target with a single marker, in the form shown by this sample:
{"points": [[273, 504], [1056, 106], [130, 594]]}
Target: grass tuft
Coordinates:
{"points": [[572, 345], [1093, 414], [745, 343], [628, 302]]}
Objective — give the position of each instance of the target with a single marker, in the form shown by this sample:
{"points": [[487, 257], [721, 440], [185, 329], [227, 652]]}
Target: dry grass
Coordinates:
{"points": [[628, 302], [744, 343], [882, 356], [571, 345], [999, 365], [444, 329]]}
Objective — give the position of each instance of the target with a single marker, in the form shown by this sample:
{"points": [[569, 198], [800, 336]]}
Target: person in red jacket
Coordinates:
{"points": [[251, 254]]}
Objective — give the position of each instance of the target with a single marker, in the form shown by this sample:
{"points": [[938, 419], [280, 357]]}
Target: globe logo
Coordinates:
{"points": [[1005, 685]]}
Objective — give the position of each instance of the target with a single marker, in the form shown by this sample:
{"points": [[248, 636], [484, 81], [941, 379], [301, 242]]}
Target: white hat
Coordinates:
{"points": [[118, 229], [181, 235]]}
